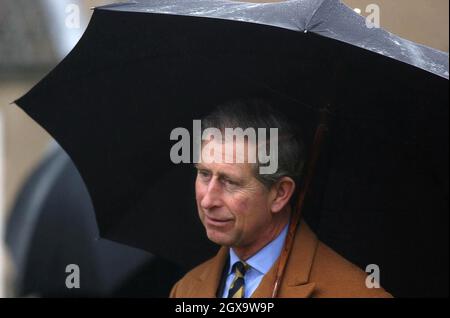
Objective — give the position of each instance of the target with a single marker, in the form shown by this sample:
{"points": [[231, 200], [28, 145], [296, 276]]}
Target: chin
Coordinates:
{"points": [[219, 238]]}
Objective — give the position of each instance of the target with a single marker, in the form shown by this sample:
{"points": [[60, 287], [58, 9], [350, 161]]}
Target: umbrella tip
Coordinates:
{"points": [[14, 102]]}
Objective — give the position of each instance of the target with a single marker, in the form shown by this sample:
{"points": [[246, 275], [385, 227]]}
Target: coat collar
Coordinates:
{"points": [[296, 278]]}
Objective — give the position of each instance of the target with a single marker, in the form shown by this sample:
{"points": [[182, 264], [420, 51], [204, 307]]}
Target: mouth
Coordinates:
{"points": [[217, 222]]}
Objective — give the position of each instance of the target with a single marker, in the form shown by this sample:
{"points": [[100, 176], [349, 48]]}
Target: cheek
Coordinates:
{"points": [[242, 205], [252, 207], [239, 206]]}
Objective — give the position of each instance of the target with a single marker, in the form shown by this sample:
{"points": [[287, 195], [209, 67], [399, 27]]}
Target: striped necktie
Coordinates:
{"points": [[237, 286]]}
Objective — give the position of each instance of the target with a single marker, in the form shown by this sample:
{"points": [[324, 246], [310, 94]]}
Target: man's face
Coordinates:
{"points": [[232, 204]]}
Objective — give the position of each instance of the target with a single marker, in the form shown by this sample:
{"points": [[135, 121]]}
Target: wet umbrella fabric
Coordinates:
{"points": [[144, 68]]}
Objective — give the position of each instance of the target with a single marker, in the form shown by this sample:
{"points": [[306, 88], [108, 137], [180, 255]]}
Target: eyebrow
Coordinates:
{"points": [[220, 174]]}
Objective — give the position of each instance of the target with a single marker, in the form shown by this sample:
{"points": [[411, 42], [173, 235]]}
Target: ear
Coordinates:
{"points": [[281, 193]]}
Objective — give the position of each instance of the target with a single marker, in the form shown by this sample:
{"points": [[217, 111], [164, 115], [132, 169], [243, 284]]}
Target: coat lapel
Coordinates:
{"points": [[207, 283], [295, 283]]}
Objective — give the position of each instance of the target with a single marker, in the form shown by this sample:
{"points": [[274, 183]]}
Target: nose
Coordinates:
{"points": [[211, 197]]}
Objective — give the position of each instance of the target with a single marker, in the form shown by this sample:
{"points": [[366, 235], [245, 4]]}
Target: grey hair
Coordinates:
{"points": [[259, 113]]}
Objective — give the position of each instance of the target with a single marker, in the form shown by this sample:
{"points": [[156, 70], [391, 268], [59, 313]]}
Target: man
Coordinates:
{"points": [[248, 214]]}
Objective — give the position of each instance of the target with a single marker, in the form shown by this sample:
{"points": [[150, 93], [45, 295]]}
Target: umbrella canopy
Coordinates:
{"points": [[380, 194]]}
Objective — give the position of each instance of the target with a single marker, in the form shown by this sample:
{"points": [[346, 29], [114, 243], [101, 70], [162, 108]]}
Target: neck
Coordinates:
{"points": [[278, 224]]}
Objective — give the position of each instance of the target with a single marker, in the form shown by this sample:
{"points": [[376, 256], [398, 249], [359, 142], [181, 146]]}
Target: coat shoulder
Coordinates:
{"points": [[336, 277], [183, 287]]}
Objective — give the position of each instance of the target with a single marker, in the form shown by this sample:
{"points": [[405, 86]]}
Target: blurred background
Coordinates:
{"points": [[34, 37]]}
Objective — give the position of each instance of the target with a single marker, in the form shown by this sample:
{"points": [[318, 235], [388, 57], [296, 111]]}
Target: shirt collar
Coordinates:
{"points": [[264, 259]]}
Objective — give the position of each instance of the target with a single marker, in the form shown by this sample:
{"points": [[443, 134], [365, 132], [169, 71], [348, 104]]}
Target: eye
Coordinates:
{"points": [[203, 174], [230, 182]]}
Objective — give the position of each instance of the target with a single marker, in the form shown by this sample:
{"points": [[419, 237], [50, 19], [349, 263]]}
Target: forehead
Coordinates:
{"points": [[225, 161], [237, 151]]}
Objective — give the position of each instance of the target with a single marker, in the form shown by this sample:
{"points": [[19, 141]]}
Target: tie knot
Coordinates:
{"points": [[240, 268]]}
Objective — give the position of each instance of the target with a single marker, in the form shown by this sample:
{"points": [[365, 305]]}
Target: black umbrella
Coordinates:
{"points": [[52, 225], [380, 193]]}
